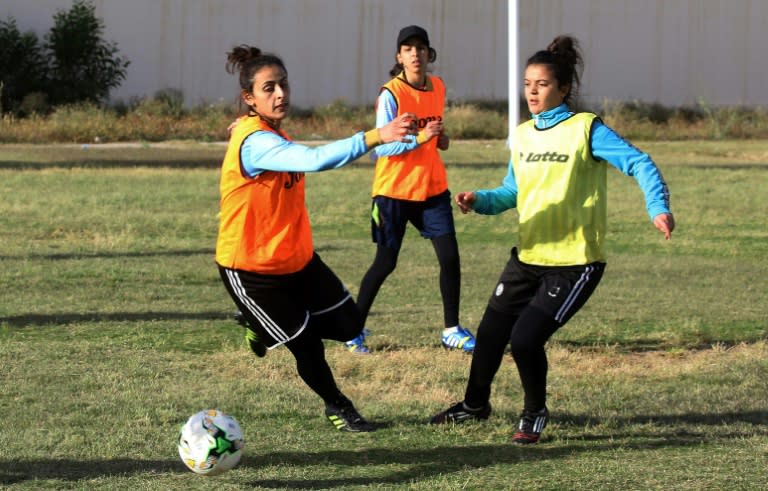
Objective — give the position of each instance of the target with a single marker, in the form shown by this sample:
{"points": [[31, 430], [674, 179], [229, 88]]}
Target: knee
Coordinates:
{"points": [[521, 346], [449, 260], [447, 250], [344, 323], [385, 264], [531, 332]]}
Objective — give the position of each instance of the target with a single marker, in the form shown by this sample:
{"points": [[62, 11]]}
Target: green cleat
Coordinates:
{"points": [[255, 343]]}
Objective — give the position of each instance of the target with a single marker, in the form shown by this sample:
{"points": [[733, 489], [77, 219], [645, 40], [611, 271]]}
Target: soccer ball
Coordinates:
{"points": [[210, 442]]}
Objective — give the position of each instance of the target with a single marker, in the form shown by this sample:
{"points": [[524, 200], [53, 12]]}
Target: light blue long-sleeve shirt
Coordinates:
{"points": [[606, 145], [386, 111], [266, 151]]}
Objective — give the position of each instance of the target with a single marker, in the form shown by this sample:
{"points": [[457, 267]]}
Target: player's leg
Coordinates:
{"points": [[333, 312], [269, 316], [383, 265], [529, 335], [309, 352], [562, 292], [447, 252], [435, 222], [492, 340], [388, 222], [516, 287]]}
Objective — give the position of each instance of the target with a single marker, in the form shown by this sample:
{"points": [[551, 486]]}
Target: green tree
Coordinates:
{"points": [[22, 65], [83, 66]]}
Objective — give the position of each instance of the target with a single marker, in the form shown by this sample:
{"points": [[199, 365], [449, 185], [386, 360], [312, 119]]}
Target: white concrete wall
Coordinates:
{"points": [[668, 51]]}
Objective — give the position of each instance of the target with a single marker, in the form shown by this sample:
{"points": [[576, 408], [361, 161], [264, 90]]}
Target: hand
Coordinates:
{"points": [[232, 125], [665, 222], [443, 142], [399, 129], [465, 201], [433, 129]]}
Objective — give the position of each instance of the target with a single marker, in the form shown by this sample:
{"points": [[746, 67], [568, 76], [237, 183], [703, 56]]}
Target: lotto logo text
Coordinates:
{"points": [[544, 157]]}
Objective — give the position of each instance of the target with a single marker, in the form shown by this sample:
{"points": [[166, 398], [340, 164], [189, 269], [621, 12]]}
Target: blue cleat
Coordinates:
{"points": [[458, 338], [357, 345]]}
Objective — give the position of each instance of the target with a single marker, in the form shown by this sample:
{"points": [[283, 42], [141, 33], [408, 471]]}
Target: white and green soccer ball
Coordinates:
{"points": [[210, 442]]}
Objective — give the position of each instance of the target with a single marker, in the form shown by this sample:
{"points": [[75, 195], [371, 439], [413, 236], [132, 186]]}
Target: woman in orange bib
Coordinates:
{"points": [[264, 249], [410, 185]]}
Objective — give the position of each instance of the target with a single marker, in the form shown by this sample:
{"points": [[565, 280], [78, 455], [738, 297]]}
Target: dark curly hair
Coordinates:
{"points": [[248, 60], [563, 56]]}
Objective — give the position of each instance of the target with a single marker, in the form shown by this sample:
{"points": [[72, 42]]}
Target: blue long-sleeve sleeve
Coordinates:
{"points": [[267, 151], [607, 145], [386, 111], [495, 201]]}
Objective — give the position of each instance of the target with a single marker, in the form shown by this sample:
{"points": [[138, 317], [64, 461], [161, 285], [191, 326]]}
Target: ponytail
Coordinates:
{"points": [[248, 60], [564, 57]]}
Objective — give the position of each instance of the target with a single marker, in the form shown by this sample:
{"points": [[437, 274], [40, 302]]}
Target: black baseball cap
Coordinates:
{"points": [[409, 32]]}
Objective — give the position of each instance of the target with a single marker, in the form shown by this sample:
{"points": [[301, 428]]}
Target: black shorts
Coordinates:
{"points": [[560, 291], [279, 307], [389, 217]]}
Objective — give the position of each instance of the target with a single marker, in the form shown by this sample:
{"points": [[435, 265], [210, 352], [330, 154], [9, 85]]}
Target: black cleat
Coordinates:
{"points": [[346, 418], [459, 413], [530, 427]]}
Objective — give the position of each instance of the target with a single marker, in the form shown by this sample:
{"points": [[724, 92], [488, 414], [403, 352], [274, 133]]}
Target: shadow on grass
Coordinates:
{"points": [[110, 255], [430, 462], [16, 471], [667, 421], [27, 320], [422, 463]]}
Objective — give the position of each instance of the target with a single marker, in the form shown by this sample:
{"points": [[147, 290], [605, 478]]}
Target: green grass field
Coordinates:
{"points": [[114, 328]]}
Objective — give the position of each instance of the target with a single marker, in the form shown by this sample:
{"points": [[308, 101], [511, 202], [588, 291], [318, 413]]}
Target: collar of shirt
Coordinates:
{"points": [[550, 117], [427, 86]]}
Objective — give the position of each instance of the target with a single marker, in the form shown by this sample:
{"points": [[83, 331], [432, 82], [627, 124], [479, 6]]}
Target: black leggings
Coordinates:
{"points": [[340, 324], [447, 251], [527, 335]]}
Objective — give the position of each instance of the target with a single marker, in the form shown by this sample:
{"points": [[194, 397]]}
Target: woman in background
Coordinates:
{"points": [[410, 185]]}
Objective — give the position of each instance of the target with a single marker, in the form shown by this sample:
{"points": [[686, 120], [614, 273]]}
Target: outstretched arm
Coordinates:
{"points": [[607, 145], [491, 201], [665, 222], [267, 151]]}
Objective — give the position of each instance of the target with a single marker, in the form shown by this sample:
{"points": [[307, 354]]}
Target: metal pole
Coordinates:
{"points": [[512, 66]]}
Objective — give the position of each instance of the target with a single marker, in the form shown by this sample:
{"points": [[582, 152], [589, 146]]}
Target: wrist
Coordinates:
{"points": [[372, 138]]}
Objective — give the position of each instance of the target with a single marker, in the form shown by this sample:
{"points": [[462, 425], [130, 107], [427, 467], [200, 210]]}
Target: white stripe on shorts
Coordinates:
{"points": [[332, 307], [574, 294], [266, 322]]}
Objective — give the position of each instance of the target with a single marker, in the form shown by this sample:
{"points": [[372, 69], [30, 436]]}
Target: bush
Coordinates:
{"points": [[84, 67], [21, 69], [159, 119]]}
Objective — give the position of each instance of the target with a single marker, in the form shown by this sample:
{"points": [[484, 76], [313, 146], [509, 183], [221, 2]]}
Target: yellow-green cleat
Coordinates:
{"points": [[346, 418], [255, 343]]}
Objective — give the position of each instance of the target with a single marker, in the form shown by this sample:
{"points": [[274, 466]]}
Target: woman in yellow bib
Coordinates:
{"points": [[557, 181], [410, 185], [264, 249]]}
